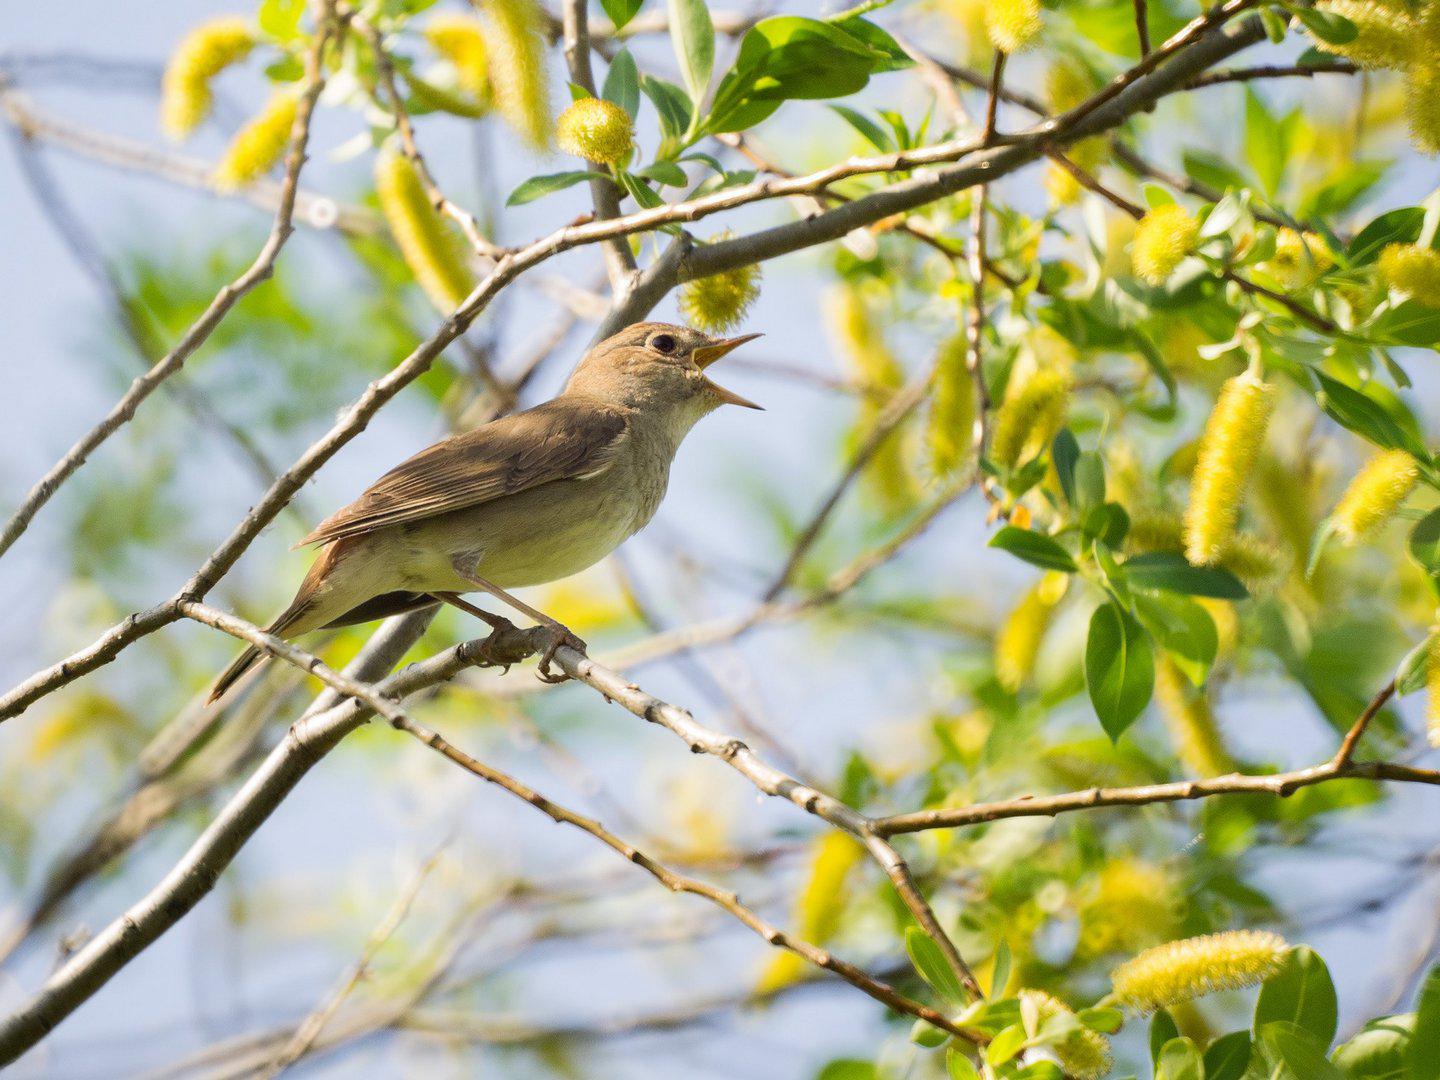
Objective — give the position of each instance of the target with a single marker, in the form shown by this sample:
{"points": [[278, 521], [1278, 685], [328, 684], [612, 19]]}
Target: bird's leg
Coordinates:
{"points": [[497, 623], [560, 634]]}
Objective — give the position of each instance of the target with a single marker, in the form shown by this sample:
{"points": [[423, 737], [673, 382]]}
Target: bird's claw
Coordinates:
{"points": [[559, 637]]}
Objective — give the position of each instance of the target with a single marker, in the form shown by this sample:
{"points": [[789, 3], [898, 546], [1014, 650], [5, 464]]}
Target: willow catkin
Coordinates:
{"points": [[1412, 269], [259, 144], [819, 907], [430, 245], [1013, 25], [721, 301], [1233, 437], [1432, 692], [1422, 107], [1163, 238], [1083, 1054], [1377, 491], [185, 94], [1386, 34], [1255, 561], [460, 40], [1184, 970], [1130, 904], [596, 130], [1190, 722], [1299, 258], [1030, 416], [950, 432], [1017, 643], [517, 67]]}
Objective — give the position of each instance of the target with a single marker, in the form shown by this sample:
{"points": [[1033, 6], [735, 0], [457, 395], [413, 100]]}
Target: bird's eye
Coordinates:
{"points": [[663, 343]]}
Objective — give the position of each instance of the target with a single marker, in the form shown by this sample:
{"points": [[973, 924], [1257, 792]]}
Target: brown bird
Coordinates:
{"points": [[525, 499]]}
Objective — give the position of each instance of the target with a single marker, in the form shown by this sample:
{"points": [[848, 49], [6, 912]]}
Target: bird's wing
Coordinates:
{"points": [[559, 440]]}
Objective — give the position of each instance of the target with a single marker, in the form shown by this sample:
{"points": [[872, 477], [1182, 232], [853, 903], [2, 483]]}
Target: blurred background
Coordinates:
{"points": [[499, 942]]}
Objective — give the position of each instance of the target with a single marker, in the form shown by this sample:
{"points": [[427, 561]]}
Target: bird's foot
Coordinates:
{"points": [[559, 636]]}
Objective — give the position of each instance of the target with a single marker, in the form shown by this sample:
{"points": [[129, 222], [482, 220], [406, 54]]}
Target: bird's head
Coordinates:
{"points": [[658, 367]]}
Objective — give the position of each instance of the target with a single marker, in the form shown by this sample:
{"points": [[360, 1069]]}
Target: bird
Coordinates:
{"points": [[525, 499]]}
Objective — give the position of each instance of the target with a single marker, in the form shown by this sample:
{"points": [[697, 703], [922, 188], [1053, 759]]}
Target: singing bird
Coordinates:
{"points": [[525, 499]]}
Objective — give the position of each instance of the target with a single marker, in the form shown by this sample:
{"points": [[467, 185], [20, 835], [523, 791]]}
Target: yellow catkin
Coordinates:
{"points": [[516, 35], [1298, 259], [596, 130], [1164, 236], [1432, 693], [1083, 1054], [1030, 416], [1422, 106], [951, 428], [460, 40], [1013, 25], [1061, 185], [1067, 84], [259, 144], [1184, 970], [1227, 624], [887, 478], [720, 302], [1017, 643], [432, 249], [1128, 905], [819, 907], [1377, 491], [1387, 35], [1254, 561], [1409, 268], [1191, 724], [968, 18], [1233, 437], [186, 97]]}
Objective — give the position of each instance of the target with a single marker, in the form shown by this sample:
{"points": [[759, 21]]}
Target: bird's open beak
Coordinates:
{"points": [[706, 355]]}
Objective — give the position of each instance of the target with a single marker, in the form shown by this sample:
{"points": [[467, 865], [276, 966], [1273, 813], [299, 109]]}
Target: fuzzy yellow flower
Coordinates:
{"points": [[430, 245], [460, 39], [1083, 1054], [1184, 970], [1017, 644], [1387, 34], [1067, 84], [1233, 437], [1422, 106], [1013, 25], [1254, 561], [1030, 416], [950, 432], [1131, 903], [185, 95], [518, 79], [259, 144], [1432, 693], [1163, 238], [1190, 722], [596, 130], [818, 910], [1409, 268], [1377, 491], [1061, 185], [1298, 259]]}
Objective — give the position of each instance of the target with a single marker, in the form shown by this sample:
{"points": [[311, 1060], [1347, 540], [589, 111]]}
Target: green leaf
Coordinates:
{"points": [[923, 1033], [1423, 1058], [848, 1068], [1298, 1051], [671, 103], [1212, 170], [1400, 226], [578, 92], [280, 19], [1407, 323], [1359, 412], [1300, 993], [1001, 973], [1268, 141], [1179, 1060], [959, 1066], [1005, 1045], [538, 186], [642, 192], [930, 962], [1034, 548], [622, 83], [693, 36], [664, 172], [1107, 523], [1378, 1052], [1064, 453], [1104, 1020], [1162, 1030], [1183, 629], [872, 132], [621, 12], [1168, 570], [1328, 27], [1228, 1056], [1119, 668]]}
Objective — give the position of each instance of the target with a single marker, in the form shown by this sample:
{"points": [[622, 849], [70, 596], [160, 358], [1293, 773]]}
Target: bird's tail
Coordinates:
{"points": [[252, 655]]}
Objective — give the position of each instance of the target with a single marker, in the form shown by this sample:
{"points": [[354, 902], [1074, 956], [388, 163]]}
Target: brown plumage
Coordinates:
{"points": [[522, 500]]}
